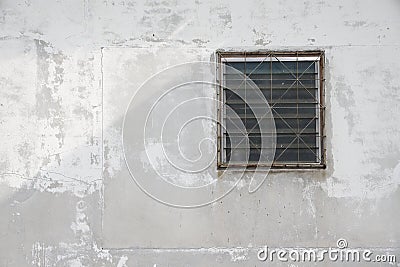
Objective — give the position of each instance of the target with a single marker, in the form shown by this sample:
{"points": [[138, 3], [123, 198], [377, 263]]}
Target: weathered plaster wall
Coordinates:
{"points": [[67, 71]]}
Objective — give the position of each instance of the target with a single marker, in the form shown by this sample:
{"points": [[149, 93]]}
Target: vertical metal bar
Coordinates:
{"points": [[322, 107], [297, 107], [220, 158], [318, 110], [270, 60], [245, 99], [271, 105], [223, 110], [218, 82]]}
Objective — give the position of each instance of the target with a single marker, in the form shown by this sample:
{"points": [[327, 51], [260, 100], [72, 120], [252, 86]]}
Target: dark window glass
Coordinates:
{"points": [[291, 88]]}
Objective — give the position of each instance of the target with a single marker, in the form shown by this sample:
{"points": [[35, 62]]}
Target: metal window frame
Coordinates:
{"points": [[319, 55]]}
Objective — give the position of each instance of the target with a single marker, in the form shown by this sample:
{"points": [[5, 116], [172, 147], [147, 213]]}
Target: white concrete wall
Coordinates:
{"points": [[67, 72]]}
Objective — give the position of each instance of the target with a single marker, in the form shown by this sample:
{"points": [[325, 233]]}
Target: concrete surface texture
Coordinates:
{"points": [[68, 70]]}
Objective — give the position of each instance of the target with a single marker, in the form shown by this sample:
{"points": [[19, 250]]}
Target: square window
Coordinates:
{"points": [[288, 85]]}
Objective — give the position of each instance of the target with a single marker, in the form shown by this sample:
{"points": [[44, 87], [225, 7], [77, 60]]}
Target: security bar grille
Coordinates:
{"points": [[292, 83]]}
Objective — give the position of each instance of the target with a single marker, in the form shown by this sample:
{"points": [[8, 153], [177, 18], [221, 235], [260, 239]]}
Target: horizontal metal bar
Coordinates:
{"points": [[277, 166], [277, 109], [281, 131], [274, 101], [260, 79], [313, 134], [281, 117], [262, 53], [240, 73], [286, 148], [270, 58], [273, 88]]}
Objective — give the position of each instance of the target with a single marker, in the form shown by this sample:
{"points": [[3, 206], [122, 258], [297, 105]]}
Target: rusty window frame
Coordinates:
{"points": [[320, 80]]}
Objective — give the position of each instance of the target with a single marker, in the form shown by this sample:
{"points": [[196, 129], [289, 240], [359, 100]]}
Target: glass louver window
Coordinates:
{"points": [[292, 84]]}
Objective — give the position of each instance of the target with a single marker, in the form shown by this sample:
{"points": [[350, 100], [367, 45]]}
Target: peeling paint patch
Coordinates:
{"points": [[122, 261]]}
